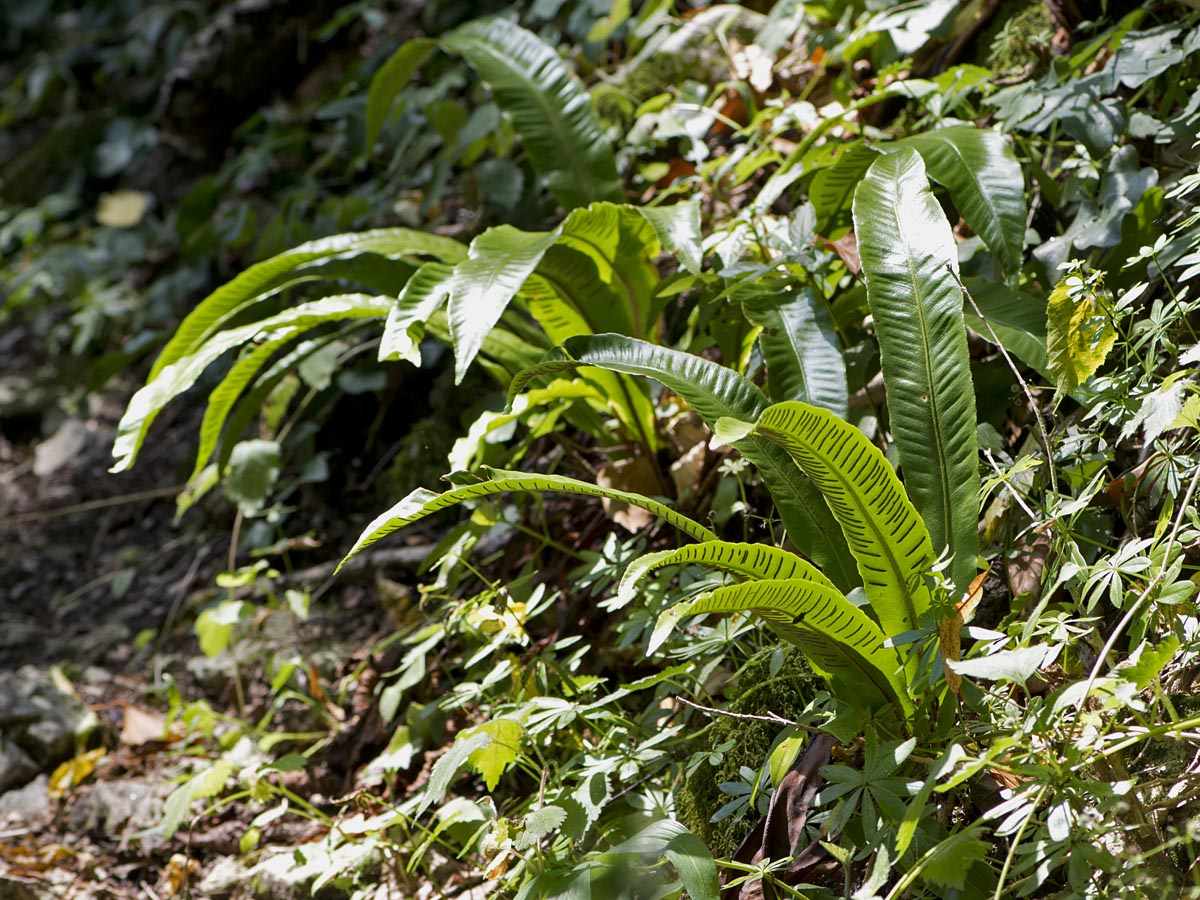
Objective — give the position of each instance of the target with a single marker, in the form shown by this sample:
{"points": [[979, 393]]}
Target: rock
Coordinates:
{"points": [[223, 878], [64, 446], [40, 724], [16, 766], [25, 804], [118, 808]]}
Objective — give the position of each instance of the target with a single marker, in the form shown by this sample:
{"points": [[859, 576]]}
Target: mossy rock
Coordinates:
{"points": [[757, 692], [1014, 31]]}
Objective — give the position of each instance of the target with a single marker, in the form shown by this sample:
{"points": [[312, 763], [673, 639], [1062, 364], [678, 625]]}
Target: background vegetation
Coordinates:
{"points": [[797, 401]]}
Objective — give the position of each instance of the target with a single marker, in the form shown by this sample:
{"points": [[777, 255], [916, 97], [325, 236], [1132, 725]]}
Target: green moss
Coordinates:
{"points": [[755, 692]]}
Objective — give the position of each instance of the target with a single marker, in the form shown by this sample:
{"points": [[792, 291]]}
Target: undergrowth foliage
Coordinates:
{"points": [[907, 362]]}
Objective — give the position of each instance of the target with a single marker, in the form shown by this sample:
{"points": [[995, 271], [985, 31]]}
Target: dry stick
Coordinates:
{"points": [[1037, 414], [773, 718], [137, 497], [1135, 607]]}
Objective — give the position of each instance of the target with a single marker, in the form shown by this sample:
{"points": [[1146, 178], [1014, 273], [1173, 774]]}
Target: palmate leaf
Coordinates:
{"points": [[176, 378], [548, 106], [907, 250], [714, 392], [883, 530], [760, 561], [839, 639], [978, 168], [421, 503]]}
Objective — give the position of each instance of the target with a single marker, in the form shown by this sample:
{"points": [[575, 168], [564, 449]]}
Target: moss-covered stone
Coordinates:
{"points": [[757, 692], [1012, 36]]}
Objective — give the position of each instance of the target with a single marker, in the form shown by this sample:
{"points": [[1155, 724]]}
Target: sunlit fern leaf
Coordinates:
{"points": [[882, 528], [907, 253], [840, 640], [266, 278], [748, 560], [176, 378], [714, 392], [239, 377], [421, 503], [548, 106]]}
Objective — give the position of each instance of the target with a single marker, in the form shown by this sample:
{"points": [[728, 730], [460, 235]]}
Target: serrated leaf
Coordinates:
{"points": [[492, 759], [206, 783], [449, 764], [948, 863], [540, 823], [1079, 334]]}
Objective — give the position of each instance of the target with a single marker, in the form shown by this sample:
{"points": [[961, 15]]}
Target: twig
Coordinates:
{"points": [[137, 497], [773, 718], [1037, 413]]}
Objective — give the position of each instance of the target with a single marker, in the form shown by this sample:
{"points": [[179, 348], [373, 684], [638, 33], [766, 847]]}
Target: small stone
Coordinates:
{"points": [[26, 803], [16, 766]]}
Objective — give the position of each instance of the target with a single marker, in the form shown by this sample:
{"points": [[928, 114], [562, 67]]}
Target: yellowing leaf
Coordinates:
{"points": [[1079, 332], [492, 759], [121, 209], [73, 772]]}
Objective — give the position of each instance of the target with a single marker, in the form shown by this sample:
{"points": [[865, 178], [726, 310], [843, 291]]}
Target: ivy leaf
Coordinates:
{"points": [[491, 759], [1079, 333]]}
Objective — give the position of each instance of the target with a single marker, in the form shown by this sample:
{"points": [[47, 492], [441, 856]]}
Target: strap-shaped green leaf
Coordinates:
{"points": [[270, 276], [748, 560], [907, 252], [484, 284], [421, 503], [176, 378], [714, 392], [839, 639], [1017, 318], [223, 397], [884, 532], [801, 348], [390, 79], [983, 176], [548, 106]]}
